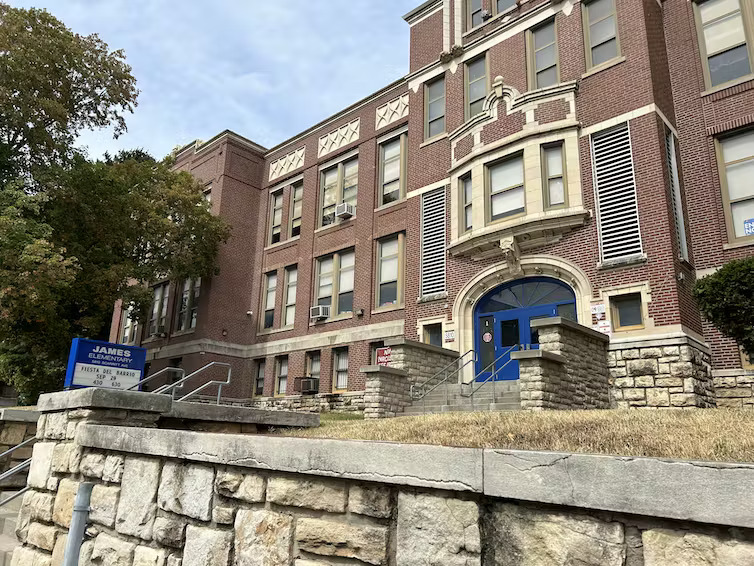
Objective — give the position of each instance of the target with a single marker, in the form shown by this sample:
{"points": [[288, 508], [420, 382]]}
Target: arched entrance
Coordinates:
{"points": [[503, 316]]}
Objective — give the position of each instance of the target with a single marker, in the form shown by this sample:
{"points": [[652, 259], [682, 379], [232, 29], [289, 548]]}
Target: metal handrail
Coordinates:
{"points": [[475, 385], [173, 386], [156, 374], [423, 386], [17, 446], [15, 469], [14, 496]]}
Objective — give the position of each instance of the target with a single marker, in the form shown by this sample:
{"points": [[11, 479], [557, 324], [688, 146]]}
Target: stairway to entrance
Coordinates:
{"points": [[8, 522], [506, 398]]}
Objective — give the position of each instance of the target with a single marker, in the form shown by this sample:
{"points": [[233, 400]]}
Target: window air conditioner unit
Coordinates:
{"points": [[309, 385], [344, 210], [320, 312]]}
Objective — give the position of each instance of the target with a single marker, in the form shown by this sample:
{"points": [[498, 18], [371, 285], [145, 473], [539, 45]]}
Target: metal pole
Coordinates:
{"points": [[78, 524]]}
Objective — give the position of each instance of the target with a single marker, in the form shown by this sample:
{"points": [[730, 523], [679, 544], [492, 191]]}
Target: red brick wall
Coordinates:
{"points": [[426, 41]]}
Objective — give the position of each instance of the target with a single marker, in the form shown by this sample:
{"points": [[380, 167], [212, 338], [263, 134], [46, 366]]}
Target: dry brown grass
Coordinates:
{"points": [[712, 434]]}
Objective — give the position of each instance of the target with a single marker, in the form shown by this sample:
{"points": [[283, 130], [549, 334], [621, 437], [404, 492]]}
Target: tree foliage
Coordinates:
{"points": [[726, 298], [77, 235]]}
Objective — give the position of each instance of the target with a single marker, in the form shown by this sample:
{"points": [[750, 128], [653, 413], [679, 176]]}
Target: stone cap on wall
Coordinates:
{"points": [[560, 321], [659, 341], [538, 354], [19, 415], [639, 486], [385, 369], [400, 341]]}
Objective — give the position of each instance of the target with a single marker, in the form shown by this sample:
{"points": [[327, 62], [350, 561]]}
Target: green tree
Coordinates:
{"points": [[726, 298]]}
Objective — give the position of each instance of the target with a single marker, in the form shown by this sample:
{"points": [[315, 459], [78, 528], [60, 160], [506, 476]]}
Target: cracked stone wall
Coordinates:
{"points": [[157, 511]]}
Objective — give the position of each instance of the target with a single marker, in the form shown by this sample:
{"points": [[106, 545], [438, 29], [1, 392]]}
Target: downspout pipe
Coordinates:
{"points": [[78, 524]]}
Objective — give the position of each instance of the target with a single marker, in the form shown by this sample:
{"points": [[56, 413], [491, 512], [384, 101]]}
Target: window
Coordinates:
{"points": [[159, 310], [474, 13], [626, 312], [433, 334], [259, 379], [506, 182], [281, 380], [291, 280], [373, 347], [737, 161], [675, 195], [130, 330], [297, 207], [271, 284], [433, 242], [335, 279], [466, 199], [276, 217], [600, 29], [543, 56], [722, 40], [313, 365], [503, 5], [476, 86], [340, 368], [434, 102], [207, 194], [392, 169], [189, 304], [552, 175], [390, 271], [340, 183], [615, 185]]}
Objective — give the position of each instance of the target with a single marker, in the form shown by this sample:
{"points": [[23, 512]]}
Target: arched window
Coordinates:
{"points": [[525, 293]]}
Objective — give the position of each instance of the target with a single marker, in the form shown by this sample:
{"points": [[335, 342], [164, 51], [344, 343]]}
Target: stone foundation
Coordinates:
{"points": [[349, 402], [668, 372], [421, 361], [388, 392]]}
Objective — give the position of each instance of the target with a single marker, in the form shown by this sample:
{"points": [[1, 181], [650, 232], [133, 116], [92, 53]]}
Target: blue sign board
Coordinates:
{"points": [[749, 227], [101, 364]]}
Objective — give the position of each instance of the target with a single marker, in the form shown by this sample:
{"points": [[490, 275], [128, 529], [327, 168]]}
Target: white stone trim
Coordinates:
{"points": [[285, 183], [626, 117], [391, 111], [392, 134], [428, 13], [425, 189], [341, 137], [294, 160], [353, 153], [446, 25]]}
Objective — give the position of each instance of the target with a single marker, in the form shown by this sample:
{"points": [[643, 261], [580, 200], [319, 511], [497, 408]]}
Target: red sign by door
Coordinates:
{"points": [[384, 355]]}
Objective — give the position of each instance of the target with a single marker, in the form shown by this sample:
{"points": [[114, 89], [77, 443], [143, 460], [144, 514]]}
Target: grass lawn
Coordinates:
{"points": [[711, 434]]}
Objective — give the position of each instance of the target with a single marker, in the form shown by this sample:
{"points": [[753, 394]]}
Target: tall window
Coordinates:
{"points": [[291, 280], [130, 328], [476, 86], [340, 183], [473, 13], [434, 102], [601, 32], [543, 56], [552, 175], [503, 5], [737, 162], [340, 368], [297, 207], [506, 182], [390, 271], [159, 311], [392, 169], [276, 217], [335, 282], [271, 285], [313, 365], [281, 378], [259, 379], [723, 40], [466, 199], [208, 194], [189, 305]]}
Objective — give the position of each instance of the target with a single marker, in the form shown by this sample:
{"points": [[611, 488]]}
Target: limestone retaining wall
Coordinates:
{"points": [[184, 498], [734, 388], [388, 392], [16, 426], [421, 361]]}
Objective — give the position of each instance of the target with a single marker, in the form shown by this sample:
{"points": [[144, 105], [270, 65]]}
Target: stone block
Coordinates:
{"points": [[682, 369], [25, 556], [145, 556], [657, 397], [641, 367], [314, 494], [112, 471], [669, 382], [262, 537], [631, 354], [343, 540], [174, 560], [61, 457], [58, 553], [651, 353], [56, 426], [42, 536], [92, 464], [104, 505], [169, 531], [372, 501], [734, 392], [63, 508], [683, 400], [40, 505], [633, 394], [249, 487], [12, 433], [223, 515], [436, 530], [530, 537], [41, 464], [137, 507], [112, 551], [187, 490], [665, 547], [644, 381], [206, 547]]}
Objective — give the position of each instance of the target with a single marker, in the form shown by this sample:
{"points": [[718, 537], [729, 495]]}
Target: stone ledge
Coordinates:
{"points": [[560, 321], [707, 492], [657, 341], [439, 467], [385, 369], [19, 416], [421, 345], [93, 398], [542, 354], [242, 415]]}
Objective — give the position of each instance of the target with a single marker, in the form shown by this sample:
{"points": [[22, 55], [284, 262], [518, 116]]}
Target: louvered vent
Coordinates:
{"points": [[433, 242], [617, 208], [675, 195]]}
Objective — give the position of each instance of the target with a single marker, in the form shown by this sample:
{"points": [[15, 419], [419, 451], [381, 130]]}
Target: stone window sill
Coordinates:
{"points": [[341, 224], [435, 139], [338, 318], [269, 331], [727, 85], [284, 243], [390, 205], [389, 308], [604, 66]]}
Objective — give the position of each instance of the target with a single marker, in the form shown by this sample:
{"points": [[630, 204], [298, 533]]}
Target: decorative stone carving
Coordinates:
{"points": [[511, 254], [288, 163], [346, 134], [392, 111]]}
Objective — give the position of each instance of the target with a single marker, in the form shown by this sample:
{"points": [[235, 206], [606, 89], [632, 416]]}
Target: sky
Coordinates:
{"points": [[266, 69]]}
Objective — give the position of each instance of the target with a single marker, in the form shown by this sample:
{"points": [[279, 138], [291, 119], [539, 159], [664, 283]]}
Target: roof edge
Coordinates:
{"points": [[199, 146], [416, 13]]}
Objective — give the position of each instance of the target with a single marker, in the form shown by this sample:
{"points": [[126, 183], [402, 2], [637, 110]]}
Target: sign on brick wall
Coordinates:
{"points": [[384, 356], [102, 364]]}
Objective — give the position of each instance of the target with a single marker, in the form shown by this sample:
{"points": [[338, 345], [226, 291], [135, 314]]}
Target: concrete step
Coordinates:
{"points": [[7, 545], [477, 407]]}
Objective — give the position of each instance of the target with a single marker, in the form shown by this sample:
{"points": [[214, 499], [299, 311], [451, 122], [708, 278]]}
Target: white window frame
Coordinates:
{"points": [[400, 256], [269, 291], [291, 285], [337, 272], [338, 354]]}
